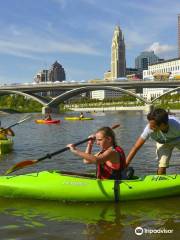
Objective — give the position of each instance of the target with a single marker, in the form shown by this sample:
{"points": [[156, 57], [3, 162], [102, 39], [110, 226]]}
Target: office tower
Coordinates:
{"points": [[145, 59], [179, 35], [118, 58], [56, 73]]}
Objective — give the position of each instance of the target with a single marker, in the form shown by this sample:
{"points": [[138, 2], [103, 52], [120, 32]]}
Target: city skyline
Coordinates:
{"points": [[78, 34]]}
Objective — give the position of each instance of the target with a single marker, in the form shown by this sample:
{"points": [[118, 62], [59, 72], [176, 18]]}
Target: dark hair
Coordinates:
{"points": [[108, 132], [159, 115]]}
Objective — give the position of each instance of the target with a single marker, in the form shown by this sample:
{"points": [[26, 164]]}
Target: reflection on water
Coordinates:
{"points": [[87, 221], [22, 219]]}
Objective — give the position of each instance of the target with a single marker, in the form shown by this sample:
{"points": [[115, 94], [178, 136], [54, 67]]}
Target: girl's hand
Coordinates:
{"points": [[92, 139], [72, 147]]}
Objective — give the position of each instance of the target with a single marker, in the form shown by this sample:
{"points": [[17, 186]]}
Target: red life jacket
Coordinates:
{"points": [[106, 172]]}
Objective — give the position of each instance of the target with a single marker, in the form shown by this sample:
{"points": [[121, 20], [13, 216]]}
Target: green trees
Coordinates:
{"points": [[23, 104], [171, 101], [19, 103]]}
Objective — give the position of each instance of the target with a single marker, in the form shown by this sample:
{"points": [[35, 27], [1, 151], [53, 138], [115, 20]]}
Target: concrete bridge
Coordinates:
{"points": [[62, 86], [73, 89]]}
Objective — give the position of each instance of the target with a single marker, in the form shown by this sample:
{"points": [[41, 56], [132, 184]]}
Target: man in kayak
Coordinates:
{"points": [[4, 133], [110, 160], [81, 115], [165, 130]]}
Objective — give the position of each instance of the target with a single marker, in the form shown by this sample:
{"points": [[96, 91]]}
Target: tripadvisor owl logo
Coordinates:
{"points": [[139, 231]]}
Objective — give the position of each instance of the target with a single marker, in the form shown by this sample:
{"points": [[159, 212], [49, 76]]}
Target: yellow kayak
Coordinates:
{"points": [[78, 118], [6, 146]]}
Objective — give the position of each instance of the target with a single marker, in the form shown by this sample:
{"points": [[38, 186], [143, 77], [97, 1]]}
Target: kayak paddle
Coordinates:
{"points": [[26, 163], [17, 123]]}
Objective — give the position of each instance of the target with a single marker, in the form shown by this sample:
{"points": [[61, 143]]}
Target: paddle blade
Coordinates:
{"points": [[20, 165], [115, 126]]}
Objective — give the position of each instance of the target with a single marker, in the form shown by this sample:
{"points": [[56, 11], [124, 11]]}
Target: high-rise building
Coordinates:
{"points": [[118, 58], [179, 35], [145, 59], [56, 73], [41, 76]]}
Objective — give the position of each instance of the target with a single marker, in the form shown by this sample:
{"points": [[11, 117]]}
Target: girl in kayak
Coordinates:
{"points": [[110, 160]]}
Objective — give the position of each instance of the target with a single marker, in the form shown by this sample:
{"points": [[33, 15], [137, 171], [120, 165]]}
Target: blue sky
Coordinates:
{"points": [[78, 34]]}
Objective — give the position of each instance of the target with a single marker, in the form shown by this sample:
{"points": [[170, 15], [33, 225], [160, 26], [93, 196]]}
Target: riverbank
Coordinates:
{"points": [[8, 111], [114, 108]]}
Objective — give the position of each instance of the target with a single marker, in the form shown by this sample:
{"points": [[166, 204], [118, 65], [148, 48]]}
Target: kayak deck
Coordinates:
{"points": [[65, 186]]}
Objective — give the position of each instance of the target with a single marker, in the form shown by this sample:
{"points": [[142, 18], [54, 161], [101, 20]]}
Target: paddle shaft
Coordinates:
{"points": [[17, 123], [49, 155]]}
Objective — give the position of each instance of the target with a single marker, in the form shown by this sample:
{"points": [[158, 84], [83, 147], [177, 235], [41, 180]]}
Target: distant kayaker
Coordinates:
{"points": [[165, 130], [111, 158], [48, 117], [81, 115], [4, 133]]}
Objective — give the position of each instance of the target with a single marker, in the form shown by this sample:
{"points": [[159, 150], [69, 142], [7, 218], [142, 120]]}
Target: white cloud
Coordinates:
{"points": [[161, 49], [30, 45], [135, 38]]}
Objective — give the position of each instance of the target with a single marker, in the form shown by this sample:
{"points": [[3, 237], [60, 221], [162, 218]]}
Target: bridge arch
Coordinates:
{"points": [[166, 93], [76, 91], [36, 98]]}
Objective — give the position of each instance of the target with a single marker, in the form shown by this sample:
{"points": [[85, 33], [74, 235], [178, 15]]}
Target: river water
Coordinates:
{"points": [[30, 219]]}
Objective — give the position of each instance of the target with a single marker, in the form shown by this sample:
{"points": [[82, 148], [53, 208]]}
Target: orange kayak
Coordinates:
{"points": [[55, 121]]}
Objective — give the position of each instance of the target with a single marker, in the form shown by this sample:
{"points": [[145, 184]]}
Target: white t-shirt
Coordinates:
{"points": [[172, 136]]}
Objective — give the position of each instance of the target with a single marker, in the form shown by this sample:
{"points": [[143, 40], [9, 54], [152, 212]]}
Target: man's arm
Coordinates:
{"points": [[140, 141]]}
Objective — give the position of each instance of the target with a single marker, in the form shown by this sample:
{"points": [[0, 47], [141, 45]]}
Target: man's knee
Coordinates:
{"points": [[161, 171]]}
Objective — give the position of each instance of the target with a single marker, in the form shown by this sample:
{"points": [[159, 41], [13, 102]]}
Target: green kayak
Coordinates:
{"points": [[65, 186], [6, 146]]}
